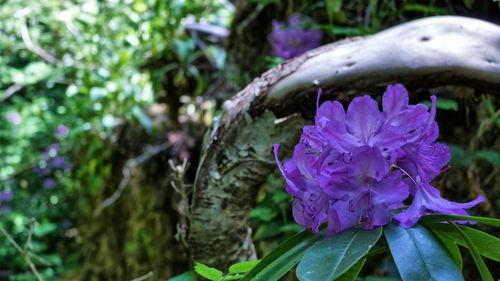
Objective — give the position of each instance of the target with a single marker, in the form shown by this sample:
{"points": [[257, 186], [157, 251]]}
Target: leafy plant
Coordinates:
{"points": [[418, 254]]}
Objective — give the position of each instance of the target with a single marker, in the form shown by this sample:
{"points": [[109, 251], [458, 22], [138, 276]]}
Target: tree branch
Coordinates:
{"points": [[428, 52]]}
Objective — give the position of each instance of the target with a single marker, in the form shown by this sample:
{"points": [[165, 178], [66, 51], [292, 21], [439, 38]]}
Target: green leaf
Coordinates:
{"points": [[208, 272], [483, 270], [332, 7], [444, 104], [262, 213], [143, 119], [424, 9], [282, 258], [452, 248], [489, 155], [243, 267], [186, 276], [329, 258], [441, 218], [419, 256], [353, 272], [487, 245]]}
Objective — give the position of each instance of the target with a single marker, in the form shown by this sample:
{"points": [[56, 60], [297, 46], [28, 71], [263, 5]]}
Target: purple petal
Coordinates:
{"points": [[363, 118], [290, 185], [391, 191], [368, 162], [428, 199], [394, 99], [312, 138], [329, 111], [6, 195], [424, 160]]}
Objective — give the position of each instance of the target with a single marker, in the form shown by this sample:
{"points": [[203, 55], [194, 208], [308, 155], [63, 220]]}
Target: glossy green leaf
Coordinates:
{"points": [[483, 270], [419, 255], [353, 272], [329, 258], [208, 272], [487, 245], [243, 267], [280, 260], [441, 218], [452, 248]]}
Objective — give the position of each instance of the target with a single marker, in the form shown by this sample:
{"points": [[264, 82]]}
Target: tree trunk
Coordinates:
{"points": [[237, 156]]}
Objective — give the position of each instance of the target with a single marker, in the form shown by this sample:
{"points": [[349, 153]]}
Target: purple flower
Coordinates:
{"points": [[293, 39], [62, 131], [426, 200], [5, 209], [50, 152], [370, 189], [301, 173], [49, 183], [14, 118], [60, 162], [355, 167], [6, 195]]}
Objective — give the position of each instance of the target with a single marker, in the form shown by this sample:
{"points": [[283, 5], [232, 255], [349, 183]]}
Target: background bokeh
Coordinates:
{"points": [[101, 103]]}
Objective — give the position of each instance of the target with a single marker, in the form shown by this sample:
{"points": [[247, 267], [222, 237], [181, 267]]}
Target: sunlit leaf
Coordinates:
{"points": [[419, 255], [329, 258]]}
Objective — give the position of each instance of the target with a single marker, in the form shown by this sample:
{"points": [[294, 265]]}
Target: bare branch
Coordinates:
{"points": [[10, 91], [144, 277], [130, 165], [35, 48], [22, 252]]}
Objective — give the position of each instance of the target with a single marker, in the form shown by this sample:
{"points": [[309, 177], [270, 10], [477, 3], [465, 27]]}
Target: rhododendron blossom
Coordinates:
{"points": [[357, 166], [293, 38]]}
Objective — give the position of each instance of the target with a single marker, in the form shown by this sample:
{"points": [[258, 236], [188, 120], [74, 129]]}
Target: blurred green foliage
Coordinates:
{"points": [[92, 67]]}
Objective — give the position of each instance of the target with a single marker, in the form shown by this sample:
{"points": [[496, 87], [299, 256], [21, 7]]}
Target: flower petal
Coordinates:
{"points": [[428, 199], [363, 118], [394, 99]]}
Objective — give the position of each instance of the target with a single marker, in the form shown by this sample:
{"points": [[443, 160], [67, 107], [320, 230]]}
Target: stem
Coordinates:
{"points": [[23, 253]]}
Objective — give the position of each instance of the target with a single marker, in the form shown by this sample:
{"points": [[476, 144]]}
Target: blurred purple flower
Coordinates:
{"points": [[356, 166], [49, 183], [14, 118], [5, 209], [42, 171], [6, 195], [50, 152], [62, 131], [60, 162], [293, 39]]}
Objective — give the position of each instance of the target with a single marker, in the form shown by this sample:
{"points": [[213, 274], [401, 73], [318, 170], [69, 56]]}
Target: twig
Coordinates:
{"points": [[28, 245], [22, 252], [472, 176], [34, 48], [127, 170], [182, 207], [10, 91], [144, 277], [253, 15]]}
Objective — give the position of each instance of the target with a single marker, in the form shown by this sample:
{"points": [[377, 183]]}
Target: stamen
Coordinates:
{"points": [[405, 172], [320, 92], [445, 169]]}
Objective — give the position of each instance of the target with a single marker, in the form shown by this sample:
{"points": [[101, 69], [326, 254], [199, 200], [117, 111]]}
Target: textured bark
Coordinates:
{"points": [[237, 156]]}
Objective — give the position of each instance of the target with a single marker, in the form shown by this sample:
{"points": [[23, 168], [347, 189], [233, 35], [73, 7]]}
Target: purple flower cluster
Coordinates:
{"points": [[293, 39], [355, 167], [61, 131]]}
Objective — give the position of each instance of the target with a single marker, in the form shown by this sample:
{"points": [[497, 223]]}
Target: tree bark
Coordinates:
{"points": [[237, 156]]}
